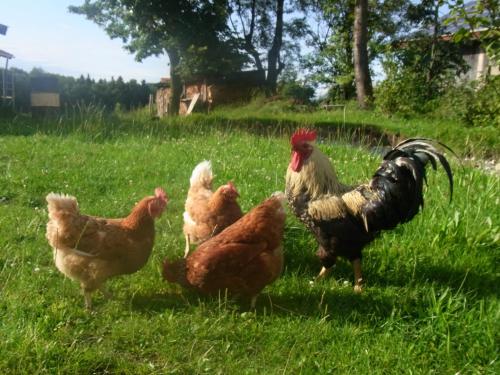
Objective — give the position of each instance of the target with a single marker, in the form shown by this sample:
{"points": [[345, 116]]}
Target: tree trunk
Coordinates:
{"points": [[175, 81], [364, 89], [435, 32], [274, 64], [249, 46]]}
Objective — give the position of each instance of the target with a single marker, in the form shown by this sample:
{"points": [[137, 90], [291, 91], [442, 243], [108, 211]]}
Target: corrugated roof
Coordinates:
{"points": [[6, 54], [460, 23]]}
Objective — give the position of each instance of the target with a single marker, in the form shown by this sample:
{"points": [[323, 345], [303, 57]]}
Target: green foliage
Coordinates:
{"points": [[478, 21], [84, 91], [195, 31], [416, 75], [300, 93], [403, 92], [430, 306], [475, 103]]}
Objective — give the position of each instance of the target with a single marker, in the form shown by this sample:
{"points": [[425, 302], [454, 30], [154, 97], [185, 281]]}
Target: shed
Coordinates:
{"points": [[203, 93]]}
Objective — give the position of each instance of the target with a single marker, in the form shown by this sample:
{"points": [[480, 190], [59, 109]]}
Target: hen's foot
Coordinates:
{"points": [[88, 300], [186, 250], [106, 293]]}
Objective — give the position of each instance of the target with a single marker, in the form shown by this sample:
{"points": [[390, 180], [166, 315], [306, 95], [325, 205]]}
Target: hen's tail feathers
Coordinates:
{"points": [[398, 183], [60, 202], [175, 272], [202, 175]]}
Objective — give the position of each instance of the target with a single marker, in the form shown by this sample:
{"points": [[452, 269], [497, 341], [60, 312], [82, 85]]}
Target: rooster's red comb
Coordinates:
{"points": [[303, 135]]}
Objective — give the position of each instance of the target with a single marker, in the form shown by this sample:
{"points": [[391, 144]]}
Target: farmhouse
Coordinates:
{"points": [[203, 93]]}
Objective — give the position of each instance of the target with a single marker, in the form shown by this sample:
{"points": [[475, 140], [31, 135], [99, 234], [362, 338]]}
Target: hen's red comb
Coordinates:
{"points": [[160, 193], [231, 186], [303, 135]]}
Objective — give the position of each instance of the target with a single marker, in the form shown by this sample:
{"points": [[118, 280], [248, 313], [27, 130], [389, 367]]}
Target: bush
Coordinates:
{"points": [[403, 94], [299, 93], [473, 103], [484, 108]]}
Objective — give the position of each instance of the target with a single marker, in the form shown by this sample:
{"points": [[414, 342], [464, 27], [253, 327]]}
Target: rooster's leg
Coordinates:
{"points": [[358, 276], [324, 271], [186, 251]]}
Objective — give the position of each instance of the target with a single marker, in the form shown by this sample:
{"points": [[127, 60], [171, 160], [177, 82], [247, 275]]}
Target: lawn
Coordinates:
{"points": [[430, 304]]}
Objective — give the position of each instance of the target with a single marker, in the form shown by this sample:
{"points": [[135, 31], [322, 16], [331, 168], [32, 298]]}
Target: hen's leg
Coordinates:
{"points": [[87, 295], [186, 250], [252, 302], [106, 293], [358, 276]]}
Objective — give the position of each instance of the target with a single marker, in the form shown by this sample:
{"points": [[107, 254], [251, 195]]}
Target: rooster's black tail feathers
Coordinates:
{"points": [[423, 150], [398, 183]]}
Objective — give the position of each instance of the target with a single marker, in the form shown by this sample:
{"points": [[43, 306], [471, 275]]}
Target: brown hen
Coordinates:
{"points": [[90, 250], [242, 259], [208, 213]]}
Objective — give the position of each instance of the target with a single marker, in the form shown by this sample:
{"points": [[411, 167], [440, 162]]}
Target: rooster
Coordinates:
{"points": [[242, 259], [344, 219], [90, 250], [207, 213]]}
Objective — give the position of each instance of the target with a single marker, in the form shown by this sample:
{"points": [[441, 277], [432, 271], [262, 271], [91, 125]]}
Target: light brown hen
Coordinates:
{"points": [[90, 250]]}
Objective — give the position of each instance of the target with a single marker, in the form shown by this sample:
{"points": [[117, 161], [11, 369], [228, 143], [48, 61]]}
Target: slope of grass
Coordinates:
{"points": [[466, 140], [430, 306]]}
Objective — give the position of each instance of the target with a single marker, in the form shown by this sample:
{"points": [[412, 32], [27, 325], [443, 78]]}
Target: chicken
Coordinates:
{"points": [[90, 250], [345, 219], [242, 259], [208, 213]]}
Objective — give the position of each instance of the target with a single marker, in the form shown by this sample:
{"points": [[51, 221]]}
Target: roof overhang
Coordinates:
{"points": [[6, 54]]}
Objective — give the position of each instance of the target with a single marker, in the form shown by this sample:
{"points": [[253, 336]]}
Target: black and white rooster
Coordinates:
{"points": [[344, 219]]}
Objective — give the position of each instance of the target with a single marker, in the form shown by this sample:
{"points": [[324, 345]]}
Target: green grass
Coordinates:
{"points": [[430, 306]]}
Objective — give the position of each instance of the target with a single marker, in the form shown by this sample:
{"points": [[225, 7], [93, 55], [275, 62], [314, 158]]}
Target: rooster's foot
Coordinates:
{"points": [[358, 276], [324, 271], [358, 286]]}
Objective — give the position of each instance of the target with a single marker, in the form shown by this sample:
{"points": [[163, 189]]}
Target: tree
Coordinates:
{"points": [[194, 34], [331, 36], [267, 27], [420, 67], [364, 90]]}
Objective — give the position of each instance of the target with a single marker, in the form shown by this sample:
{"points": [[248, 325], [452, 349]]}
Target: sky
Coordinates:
{"points": [[43, 34]]}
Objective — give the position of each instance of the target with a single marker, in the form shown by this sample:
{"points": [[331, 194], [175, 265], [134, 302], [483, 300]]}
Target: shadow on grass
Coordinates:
{"points": [[159, 302], [329, 299], [340, 304], [468, 281]]}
